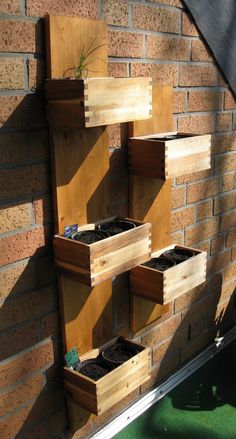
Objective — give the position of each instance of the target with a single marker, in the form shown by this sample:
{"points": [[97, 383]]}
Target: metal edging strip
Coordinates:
{"points": [[144, 403]]}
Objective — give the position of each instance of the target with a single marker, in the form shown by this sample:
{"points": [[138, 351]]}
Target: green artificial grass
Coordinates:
{"points": [[202, 407]]}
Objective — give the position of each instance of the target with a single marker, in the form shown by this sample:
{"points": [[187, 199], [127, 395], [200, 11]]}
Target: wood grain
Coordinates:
{"points": [[150, 199]]}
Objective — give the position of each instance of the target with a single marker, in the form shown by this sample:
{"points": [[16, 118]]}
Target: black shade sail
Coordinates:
{"points": [[216, 20]]}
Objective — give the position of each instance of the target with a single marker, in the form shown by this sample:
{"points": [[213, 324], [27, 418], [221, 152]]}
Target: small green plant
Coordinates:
{"points": [[85, 59]]}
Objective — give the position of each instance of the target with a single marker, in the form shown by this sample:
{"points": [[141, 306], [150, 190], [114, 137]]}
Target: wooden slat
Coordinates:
{"points": [[86, 314], [65, 39], [150, 200]]}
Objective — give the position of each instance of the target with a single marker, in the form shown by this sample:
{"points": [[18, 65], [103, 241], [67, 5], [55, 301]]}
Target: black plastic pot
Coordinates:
{"points": [[116, 226], [90, 236], [160, 264], [118, 354], [178, 254], [94, 368]]}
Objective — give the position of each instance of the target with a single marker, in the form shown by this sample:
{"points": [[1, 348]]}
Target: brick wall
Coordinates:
{"points": [[153, 38]]}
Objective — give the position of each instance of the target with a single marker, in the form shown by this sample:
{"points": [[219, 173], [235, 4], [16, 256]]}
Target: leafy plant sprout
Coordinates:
{"points": [[85, 59]]}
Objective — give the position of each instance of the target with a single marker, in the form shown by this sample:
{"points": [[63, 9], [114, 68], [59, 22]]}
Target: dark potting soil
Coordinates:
{"points": [[160, 264], [90, 236], [115, 227], [178, 254], [118, 353], [94, 369]]}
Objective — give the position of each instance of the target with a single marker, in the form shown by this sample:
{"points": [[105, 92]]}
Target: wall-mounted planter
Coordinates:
{"points": [[164, 286], [101, 260], [169, 155], [98, 101], [98, 396]]}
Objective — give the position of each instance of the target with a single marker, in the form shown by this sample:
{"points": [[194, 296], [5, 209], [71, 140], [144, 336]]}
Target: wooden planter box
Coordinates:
{"points": [[104, 259], [98, 396], [169, 158], [164, 286], [98, 101]]}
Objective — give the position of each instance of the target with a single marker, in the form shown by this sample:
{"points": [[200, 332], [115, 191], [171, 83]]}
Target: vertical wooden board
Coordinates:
{"points": [[81, 180], [80, 164], [86, 314], [150, 199], [66, 37]]}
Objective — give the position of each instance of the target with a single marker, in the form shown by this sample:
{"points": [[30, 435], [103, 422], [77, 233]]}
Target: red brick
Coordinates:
{"points": [[234, 121], [200, 190], [188, 26], [162, 331], [37, 73], [38, 431], [179, 102], [21, 393], [177, 197], [118, 70], [218, 262], [225, 163], [168, 347], [197, 328], [204, 210], [43, 210], [177, 238], [167, 48], [162, 74], [17, 278], [217, 244], [227, 221], [22, 112], [14, 217], [230, 103], [228, 182], [231, 238], [176, 3], [194, 176], [10, 426], [223, 143], [11, 73], [202, 231], [204, 101], [13, 148], [230, 272], [26, 363], [81, 8], [27, 307], [200, 52], [233, 254], [197, 344], [23, 181], [155, 19], [17, 36], [17, 339], [21, 246], [223, 122], [39, 145], [197, 76], [158, 373], [125, 44], [203, 246], [10, 7], [224, 203], [221, 82], [116, 12], [182, 218], [50, 324], [189, 298], [198, 124]]}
